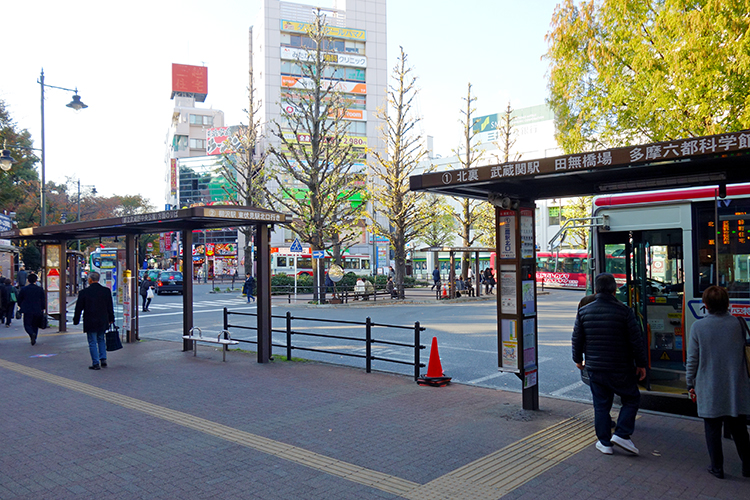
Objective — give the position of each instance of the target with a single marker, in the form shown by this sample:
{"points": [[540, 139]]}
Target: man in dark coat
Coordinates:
{"points": [[32, 302], [248, 288], [95, 302], [607, 333]]}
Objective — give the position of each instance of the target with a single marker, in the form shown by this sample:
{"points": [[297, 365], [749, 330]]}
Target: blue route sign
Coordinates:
{"points": [[317, 254], [296, 246]]}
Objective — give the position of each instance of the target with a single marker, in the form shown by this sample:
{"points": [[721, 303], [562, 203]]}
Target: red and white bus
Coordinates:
{"points": [[283, 262], [563, 269], [675, 244]]}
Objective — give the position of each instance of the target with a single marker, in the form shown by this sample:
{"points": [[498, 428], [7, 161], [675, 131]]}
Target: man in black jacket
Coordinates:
{"points": [[607, 334], [95, 301], [32, 302]]}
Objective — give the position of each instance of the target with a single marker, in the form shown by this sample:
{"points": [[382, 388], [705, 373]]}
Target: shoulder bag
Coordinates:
{"points": [[113, 338], [745, 334]]}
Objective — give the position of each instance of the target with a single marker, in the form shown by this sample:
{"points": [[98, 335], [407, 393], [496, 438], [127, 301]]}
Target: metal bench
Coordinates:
{"points": [[224, 342]]}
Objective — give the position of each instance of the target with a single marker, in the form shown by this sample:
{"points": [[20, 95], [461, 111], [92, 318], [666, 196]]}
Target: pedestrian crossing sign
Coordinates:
{"points": [[296, 246]]}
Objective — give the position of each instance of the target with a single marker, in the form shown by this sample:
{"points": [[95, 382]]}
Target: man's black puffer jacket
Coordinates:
{"points": [[609, 336]]}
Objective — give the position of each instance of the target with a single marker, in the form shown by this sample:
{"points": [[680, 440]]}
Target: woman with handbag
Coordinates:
{"points": [[147, 292], [10, 305], [717, 378]]}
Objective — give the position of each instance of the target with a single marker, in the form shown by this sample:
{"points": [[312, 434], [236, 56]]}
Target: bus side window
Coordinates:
{"points": [[281, 261], [365, 263]]}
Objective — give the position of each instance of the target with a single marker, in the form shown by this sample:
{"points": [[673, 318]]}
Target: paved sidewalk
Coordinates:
{"points": [[160, 423]]}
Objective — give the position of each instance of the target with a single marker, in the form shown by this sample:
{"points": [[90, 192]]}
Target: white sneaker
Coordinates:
{"points": [[607, 450], [625, 444]]}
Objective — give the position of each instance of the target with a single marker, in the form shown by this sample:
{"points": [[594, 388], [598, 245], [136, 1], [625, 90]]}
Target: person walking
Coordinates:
{"points": [[717, 378], [22, 277], [146, 290], [436, 278], [95, 302], [248, 288], [32, 302], [4, 299], [10, 303], [607, 334]]}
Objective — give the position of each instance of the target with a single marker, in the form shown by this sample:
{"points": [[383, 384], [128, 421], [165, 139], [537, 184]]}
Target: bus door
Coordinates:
{"points": [[651, 281]]}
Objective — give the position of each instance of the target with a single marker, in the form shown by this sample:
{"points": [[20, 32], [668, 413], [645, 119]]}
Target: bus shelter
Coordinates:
{"points": [[513, 187], [54, 275], [452, 251]]}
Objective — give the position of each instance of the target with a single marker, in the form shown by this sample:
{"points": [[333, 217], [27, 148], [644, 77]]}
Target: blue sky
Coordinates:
{"points": [[119, 57]]}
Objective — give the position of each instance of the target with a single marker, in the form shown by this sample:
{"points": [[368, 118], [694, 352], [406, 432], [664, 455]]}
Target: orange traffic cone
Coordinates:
{"points": [[444, 296], [435, 376]]}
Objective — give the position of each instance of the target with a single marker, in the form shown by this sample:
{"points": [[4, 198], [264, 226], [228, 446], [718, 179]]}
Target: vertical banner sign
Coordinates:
{"points": [[52, 285], [507, 234], [173, 176], [527, 233], [126, 301]]}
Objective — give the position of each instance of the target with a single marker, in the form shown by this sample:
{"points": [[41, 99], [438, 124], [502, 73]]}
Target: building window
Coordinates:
{"points": [[180, 142], [201, 120], [197, 144], [554, 216]]}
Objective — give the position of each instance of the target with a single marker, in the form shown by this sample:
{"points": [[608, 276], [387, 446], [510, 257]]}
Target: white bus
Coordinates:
{"points": [[283, 262], [676, 243]]}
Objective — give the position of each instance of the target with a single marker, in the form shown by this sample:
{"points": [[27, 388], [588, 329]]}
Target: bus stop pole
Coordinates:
{"points": [[187, 287]]}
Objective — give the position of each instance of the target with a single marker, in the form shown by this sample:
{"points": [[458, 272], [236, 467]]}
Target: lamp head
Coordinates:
{"points": [[6, 160], [76, 103]]}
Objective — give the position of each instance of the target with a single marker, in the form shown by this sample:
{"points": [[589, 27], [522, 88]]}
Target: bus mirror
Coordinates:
{"points": [[722, 191]]}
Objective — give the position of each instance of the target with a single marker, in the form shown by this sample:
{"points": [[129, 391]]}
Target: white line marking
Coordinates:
{"points": [[488, 377], [568, 388]]}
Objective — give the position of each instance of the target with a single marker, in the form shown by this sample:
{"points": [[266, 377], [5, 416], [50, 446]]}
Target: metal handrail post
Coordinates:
{"points": [[417, 329], [368, 345], [226, 319], [288, 336]]}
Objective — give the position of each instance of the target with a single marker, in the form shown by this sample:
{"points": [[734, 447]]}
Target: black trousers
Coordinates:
{"points": [[31, 326], [737, 427]]}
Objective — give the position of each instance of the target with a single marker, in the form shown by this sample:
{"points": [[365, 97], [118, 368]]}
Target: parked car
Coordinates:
{"points": [[169, 281]]}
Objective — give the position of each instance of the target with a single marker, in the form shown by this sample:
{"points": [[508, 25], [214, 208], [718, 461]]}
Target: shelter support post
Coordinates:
{"points": [[187, 286], [452, 275], [131, 263], [263, 284]]}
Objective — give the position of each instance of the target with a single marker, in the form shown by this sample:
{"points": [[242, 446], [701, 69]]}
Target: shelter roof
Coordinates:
{"points": [[205, 217], [696, 161]]}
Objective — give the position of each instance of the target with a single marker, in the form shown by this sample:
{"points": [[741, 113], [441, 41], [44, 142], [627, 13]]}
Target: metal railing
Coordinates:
{"points": [[368, 338]]}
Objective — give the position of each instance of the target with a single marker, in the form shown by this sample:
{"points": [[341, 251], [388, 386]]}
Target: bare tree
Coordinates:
{"points": [[406, 212], [468, 211], [314, 163], [243, 165]]}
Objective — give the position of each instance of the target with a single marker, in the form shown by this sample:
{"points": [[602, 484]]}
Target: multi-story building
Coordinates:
{"points": [[191, 174], [358, 57], [186, 137]]}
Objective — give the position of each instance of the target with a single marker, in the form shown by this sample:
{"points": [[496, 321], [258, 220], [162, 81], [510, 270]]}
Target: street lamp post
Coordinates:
{"points": [[78, 218], [75, 104]]}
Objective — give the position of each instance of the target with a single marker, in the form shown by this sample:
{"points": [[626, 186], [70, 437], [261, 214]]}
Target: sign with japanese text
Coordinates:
{"points": [[190, 79], [332, 31], [630, 155]]}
